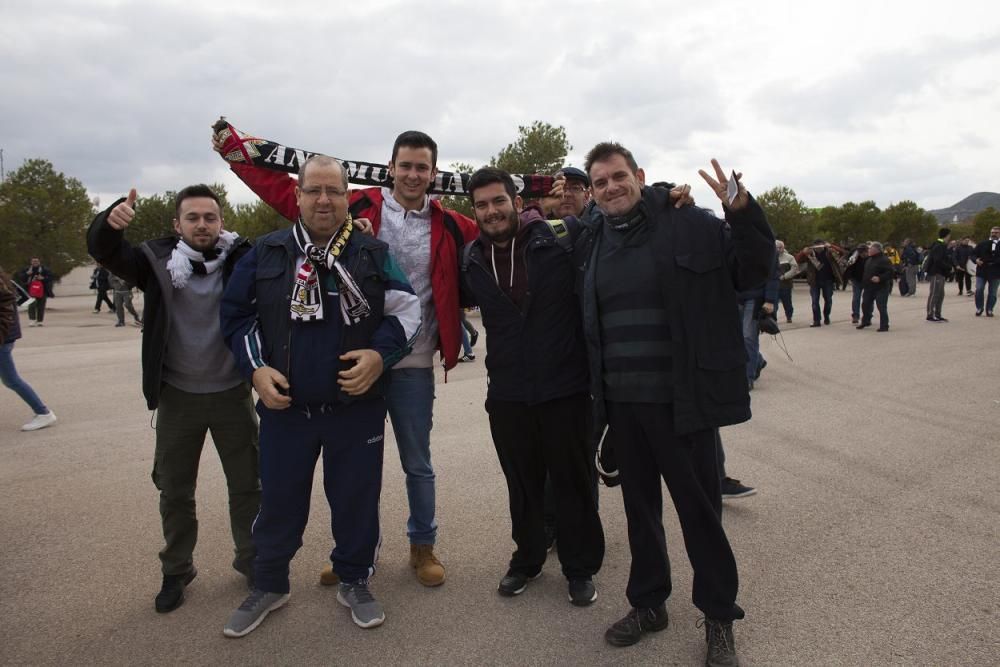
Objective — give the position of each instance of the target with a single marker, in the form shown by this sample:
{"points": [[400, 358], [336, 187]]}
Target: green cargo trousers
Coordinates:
{"points": [[181, 424]]}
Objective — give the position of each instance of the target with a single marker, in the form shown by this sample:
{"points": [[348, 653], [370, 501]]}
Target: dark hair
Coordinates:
{"points": [[200, 190], [415, 139], [488, 175], [605, 150], [944, 233]]}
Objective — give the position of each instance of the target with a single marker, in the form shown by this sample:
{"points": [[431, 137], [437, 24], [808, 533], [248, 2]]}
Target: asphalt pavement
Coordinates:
{"points": [[873, 539]]}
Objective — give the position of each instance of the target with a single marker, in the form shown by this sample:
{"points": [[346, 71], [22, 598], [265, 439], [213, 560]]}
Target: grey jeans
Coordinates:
{"points": [[935, 297]]}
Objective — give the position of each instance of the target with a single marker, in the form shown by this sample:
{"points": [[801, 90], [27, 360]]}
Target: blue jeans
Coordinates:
{"points": [[751, 336], [11, 380], [409, 396], [466, 344], [991, 299], [827, 290], [785, 296], [857, 289]]}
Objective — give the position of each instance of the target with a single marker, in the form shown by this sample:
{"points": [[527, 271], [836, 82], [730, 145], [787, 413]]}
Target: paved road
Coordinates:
{"points": [[873, 539]]}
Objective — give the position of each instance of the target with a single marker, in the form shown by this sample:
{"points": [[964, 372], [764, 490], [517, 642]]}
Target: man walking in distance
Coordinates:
{"points": [[987, 257], [188, 375], [910, 259], [938, 268], [37, 282], [667, 367], [521, 276], [425, 239], [314, 314], [877, 282]]}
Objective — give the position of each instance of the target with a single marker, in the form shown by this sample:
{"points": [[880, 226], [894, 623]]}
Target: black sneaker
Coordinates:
{"points": [[171, 593], [731, 488], [721, 645], [630, 629], [582, 592], [814, 325], [514, 583], [473, 337], [826, 319]]}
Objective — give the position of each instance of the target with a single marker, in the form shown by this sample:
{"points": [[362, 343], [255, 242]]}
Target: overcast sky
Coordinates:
{"points": [[846, 101]]}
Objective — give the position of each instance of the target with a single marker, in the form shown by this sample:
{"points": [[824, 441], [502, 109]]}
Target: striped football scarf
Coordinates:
{"points": [[307, 295]]}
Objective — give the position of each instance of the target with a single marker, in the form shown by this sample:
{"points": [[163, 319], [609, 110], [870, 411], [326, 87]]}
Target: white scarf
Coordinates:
{"points": [[185, 260]]}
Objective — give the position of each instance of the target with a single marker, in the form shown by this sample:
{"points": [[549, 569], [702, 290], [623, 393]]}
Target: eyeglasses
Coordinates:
{"points": [[315, 192], [575, 189]]}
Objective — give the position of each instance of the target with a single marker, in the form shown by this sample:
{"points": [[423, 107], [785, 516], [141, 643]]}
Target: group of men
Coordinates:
{"points": [[625, 308]]}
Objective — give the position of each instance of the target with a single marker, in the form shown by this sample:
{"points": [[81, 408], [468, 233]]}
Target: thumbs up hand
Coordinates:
{"points": [[124, 213]]}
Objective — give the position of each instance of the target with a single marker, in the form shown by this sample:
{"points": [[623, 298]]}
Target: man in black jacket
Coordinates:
{"points": [[987, 257], [877, 284], [188, 375], [659, 287], [938, 268], [520, 274]]}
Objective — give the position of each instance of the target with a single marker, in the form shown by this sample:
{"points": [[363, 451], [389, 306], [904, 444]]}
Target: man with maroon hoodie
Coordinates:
{"points": [[519, 272], [425, 239]]}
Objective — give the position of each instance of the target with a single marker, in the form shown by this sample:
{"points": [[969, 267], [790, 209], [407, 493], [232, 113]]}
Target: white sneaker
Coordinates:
{"points": [[32, 323], [40, 421]]}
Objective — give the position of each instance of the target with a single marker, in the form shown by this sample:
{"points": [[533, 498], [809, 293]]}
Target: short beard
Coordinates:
{"points": [[505, 236]]}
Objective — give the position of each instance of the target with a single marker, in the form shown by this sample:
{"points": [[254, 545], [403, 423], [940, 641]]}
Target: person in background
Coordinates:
{"points": [[10, 331], [37, 282]]}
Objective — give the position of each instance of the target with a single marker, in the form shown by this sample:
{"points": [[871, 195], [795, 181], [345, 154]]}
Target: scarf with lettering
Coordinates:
{"points": [[307, 294], [239, 147]]}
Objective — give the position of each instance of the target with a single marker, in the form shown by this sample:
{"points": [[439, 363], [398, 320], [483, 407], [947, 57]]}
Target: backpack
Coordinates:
{"points": [[36, 289]]}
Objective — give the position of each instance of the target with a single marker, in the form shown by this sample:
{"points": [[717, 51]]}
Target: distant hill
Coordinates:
{"points": [[968, 207]]}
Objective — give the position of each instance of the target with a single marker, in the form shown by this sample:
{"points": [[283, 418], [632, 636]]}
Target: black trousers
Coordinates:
{"points": [[549, 438], [879, 296], [964, 281], [648, 449]]}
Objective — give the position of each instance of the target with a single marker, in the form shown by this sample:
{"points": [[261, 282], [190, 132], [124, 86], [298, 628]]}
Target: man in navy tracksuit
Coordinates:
{"points": [[314, 315]]}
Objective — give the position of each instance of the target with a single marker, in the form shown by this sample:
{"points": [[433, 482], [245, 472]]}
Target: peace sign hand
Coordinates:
{"points": [[721, 185]]}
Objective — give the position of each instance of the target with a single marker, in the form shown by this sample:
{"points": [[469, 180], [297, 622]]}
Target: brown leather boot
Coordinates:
{"points": [[430, 571], [328, 577]]}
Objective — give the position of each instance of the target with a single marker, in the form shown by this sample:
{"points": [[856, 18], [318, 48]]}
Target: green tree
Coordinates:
{"points": [[791, 221], [904, 220], [983, 222], [43, 213], [851, 223], [540, 148], [254, 220]]}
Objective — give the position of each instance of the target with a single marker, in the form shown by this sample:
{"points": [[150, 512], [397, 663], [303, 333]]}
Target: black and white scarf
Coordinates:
{"points": [[307, 294], [185, 260]]}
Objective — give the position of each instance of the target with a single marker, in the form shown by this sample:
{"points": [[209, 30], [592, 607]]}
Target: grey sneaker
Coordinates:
{"points": [[366, 612], [253, 611]]}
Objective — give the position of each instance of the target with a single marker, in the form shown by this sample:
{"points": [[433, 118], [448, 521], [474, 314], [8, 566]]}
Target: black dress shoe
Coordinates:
{"points": [[171, 593], [815, 324], [863, 325], [630, 629], [881, 329]]}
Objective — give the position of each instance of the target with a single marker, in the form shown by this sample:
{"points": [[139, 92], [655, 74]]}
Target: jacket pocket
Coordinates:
{"points": [[700, 262]]}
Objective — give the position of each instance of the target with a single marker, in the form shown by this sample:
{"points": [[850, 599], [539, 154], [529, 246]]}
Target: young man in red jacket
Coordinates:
{"points": [[425, 239]]}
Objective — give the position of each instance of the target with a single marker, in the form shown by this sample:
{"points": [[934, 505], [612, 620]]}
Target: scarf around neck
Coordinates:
{"points": [[185, 260], [307, 295]]}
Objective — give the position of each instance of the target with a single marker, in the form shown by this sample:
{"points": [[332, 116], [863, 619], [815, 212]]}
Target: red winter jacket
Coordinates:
{"points": [[450, 231]]}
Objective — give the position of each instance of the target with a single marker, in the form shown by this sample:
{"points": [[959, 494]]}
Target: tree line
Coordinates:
{"points": [[45, 213]]}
